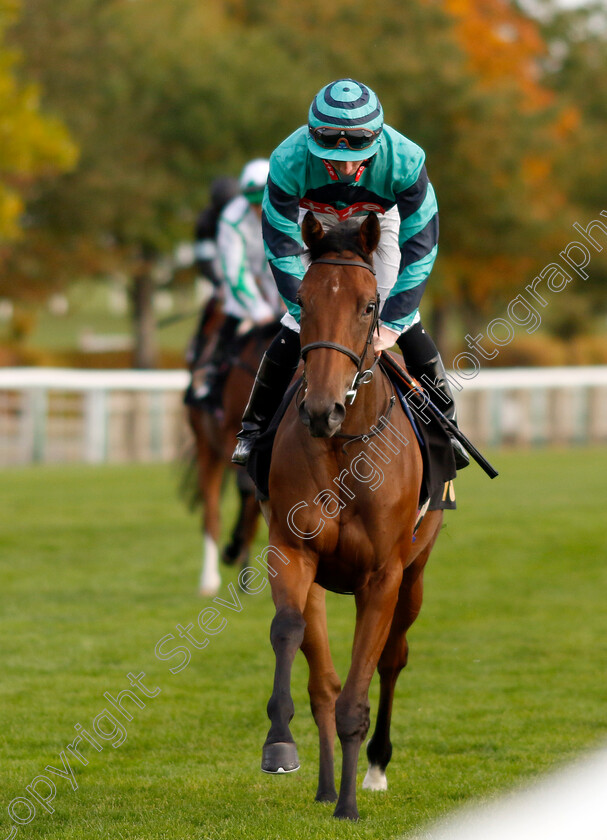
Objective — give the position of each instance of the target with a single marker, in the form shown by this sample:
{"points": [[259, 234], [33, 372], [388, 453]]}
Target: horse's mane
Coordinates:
{"points": [[342, 237]]}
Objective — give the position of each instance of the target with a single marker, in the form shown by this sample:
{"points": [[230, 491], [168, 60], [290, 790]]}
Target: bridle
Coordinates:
{"points": [[361, 377]]}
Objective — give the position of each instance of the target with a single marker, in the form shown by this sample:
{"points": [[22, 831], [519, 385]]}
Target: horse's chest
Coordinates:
{"points": [[351, 557]]}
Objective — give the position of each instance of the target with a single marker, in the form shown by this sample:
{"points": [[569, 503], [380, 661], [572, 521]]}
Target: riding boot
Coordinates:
{"points": [[415, 344], [206, 379], [198, 340], [273, 377]]}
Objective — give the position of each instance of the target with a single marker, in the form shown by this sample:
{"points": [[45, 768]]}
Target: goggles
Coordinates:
{"points": [[355, 139]]}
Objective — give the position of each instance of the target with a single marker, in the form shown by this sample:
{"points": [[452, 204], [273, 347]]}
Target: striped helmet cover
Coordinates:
{"points": [[345, 103]]}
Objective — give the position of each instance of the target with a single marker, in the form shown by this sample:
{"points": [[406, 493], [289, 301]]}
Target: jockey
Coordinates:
{"points": [[248, 289], [223, 189], [344, 164]]}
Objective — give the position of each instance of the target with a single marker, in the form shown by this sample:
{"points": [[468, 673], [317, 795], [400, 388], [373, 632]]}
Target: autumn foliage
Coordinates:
{"points": [[161, 96], [33, 146]]}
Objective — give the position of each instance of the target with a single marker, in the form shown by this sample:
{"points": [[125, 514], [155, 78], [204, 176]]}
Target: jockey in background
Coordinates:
{"points": [[223, 190], [249, 296], [342, 165]]}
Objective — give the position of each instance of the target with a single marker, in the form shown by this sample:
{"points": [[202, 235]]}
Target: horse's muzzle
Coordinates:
{"points": [[322, 421]]}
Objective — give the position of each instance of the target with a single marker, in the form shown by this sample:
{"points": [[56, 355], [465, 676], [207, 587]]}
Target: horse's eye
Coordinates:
{"points": [[298, 300], [370, 307]]}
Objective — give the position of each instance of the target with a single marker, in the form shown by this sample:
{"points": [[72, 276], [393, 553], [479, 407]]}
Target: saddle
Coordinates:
{"points": [[436, 492], [435, 447]]}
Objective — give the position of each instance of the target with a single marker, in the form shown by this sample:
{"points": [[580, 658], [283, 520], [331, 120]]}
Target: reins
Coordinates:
{"points": [[361, 377]]}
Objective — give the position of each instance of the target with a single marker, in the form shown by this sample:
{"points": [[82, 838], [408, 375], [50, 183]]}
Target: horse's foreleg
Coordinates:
{"points": [[391, 662], [374, 610], [396, 650], [323, 687], [246, 524], [211, 474], [290, 592]]}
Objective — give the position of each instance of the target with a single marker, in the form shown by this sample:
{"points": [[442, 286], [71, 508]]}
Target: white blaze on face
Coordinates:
{"points": [[210, 581]]}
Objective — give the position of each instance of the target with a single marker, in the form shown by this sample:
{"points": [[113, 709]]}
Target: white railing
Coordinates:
{"points": [[57, 415], [535, 406], [61, 415]]}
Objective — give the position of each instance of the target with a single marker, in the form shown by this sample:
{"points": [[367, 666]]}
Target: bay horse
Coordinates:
{"points": [[214, 435], [334, 527]]}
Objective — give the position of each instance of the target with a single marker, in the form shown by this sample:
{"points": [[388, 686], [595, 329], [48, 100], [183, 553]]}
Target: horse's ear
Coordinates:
{"points": [[369, 233], [311, 230]]}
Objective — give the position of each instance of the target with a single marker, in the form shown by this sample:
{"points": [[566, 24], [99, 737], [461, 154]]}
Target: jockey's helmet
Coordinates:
{"points": [[223, 189], [253, 180], [345, 121]]}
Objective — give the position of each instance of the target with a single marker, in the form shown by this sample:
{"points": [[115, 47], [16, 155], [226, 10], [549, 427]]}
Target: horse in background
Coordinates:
{"points": [[343, 502], [214, 435]]}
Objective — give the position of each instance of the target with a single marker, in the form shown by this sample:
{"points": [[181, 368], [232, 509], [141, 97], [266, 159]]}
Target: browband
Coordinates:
{"points": [[329, 261]]}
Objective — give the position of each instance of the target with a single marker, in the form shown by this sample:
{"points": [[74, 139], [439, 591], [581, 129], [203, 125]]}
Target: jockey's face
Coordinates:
{"points": [[346, 167]]}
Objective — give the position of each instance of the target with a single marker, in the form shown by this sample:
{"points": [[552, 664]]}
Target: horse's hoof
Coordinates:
{"points": [[375, 778], [208, 591], [326, 796], [230, 555], [280, 757], [345, 812]]}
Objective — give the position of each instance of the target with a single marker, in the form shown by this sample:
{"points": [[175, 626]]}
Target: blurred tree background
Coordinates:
{"points": [[32, 146], [134, 106]]}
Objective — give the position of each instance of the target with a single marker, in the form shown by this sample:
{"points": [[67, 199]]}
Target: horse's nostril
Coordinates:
{"points": [[322, 420], [303, 414], [336, 417]]}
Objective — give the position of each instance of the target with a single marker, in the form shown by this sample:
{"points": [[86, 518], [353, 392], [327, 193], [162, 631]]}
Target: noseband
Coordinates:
{"points": [[361, 377]]}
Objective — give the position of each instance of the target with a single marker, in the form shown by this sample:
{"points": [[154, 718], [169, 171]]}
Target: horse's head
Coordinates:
{"points": [[338, 299]]}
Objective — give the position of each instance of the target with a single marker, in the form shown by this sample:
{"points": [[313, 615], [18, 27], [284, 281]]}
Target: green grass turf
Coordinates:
{"points": [[506, 676]]}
